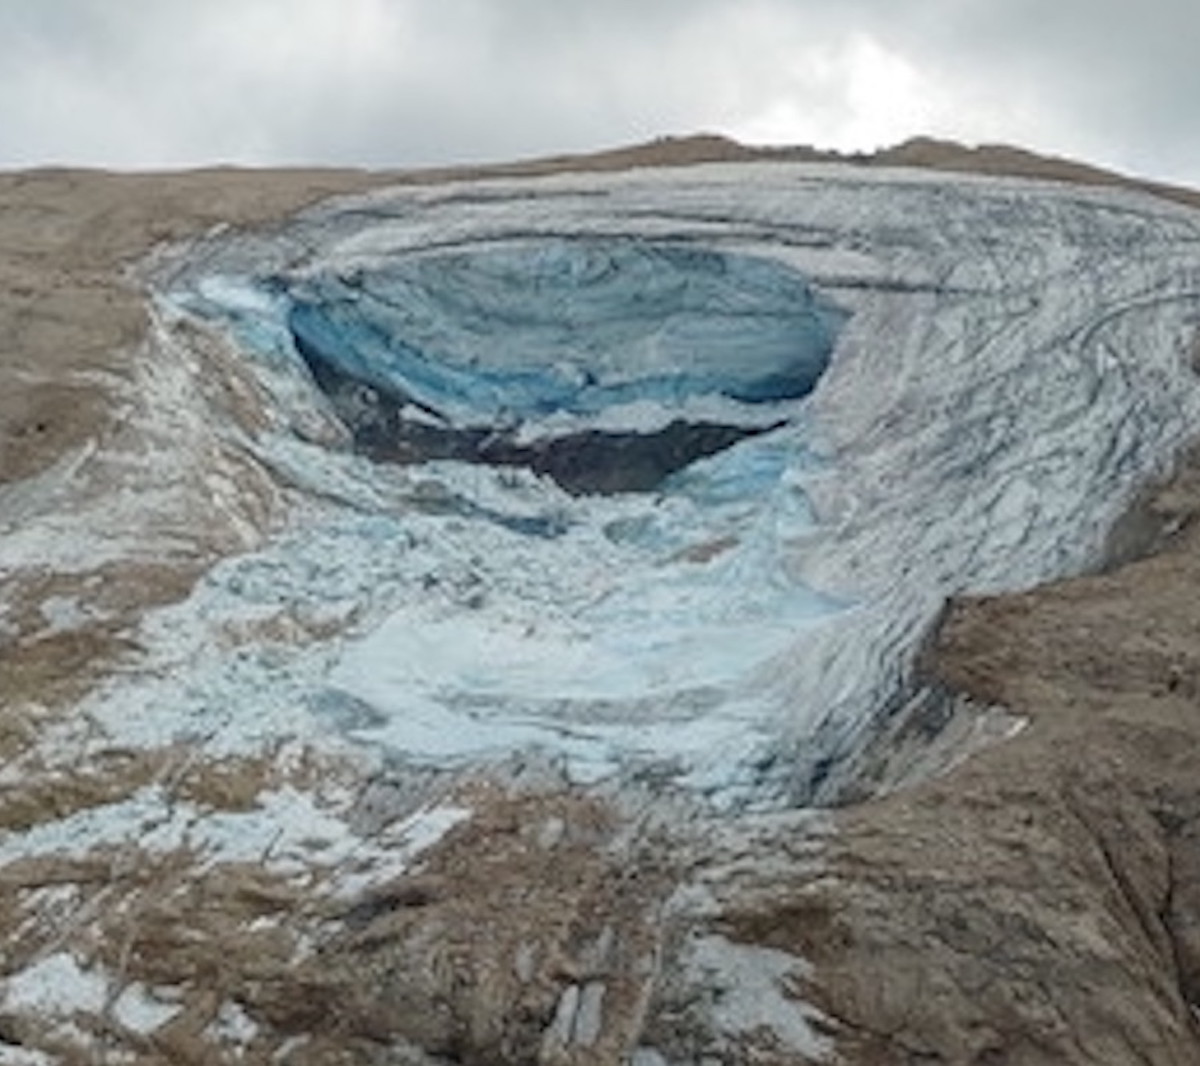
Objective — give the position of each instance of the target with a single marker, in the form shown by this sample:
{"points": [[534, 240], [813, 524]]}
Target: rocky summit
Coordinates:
{"points": [[686, 606]]}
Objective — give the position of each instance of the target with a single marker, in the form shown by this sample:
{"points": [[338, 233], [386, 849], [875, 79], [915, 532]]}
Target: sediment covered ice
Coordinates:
{"points": [[940, 386]]}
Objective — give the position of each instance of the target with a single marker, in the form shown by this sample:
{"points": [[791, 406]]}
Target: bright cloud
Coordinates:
{"points": [[403, 82]]}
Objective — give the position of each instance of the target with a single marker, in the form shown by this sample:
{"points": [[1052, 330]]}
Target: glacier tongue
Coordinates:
{"points": [[1008, 364]]}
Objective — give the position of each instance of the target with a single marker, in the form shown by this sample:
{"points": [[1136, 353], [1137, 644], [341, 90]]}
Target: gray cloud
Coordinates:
{"points": [[402, 82]]}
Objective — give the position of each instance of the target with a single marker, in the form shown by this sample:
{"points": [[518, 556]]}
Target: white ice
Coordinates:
{"points": [[56, 987]]}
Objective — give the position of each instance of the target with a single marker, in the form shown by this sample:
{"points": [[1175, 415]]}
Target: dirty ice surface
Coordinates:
{"points": [[995, 368]]}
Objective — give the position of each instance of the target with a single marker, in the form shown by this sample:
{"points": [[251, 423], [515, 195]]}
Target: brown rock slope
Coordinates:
{"points": [[70, 318], [1040, 904]]}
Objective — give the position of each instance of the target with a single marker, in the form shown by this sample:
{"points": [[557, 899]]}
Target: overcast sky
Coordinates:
{"points": [[154, 83]]}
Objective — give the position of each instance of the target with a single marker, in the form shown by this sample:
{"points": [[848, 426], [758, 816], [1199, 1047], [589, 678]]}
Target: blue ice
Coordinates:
{"points": [[524, 330]]}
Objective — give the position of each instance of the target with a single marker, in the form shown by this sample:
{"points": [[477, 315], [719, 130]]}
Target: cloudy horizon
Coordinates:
{"points": [[394, 83]]}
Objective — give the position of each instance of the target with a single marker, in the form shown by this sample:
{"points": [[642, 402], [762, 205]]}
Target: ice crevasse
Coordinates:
{"points": [[669, 472]]}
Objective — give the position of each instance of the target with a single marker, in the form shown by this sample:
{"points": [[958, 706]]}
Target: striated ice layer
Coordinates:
{"points": [[1009, 363], [509, 332]]}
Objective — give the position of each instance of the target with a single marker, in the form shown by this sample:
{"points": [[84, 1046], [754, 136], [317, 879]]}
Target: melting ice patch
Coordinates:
{"points": [[643, 634]]}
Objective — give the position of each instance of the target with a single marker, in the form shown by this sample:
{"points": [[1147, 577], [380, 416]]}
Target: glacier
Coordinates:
{"points": [[858, 394]]}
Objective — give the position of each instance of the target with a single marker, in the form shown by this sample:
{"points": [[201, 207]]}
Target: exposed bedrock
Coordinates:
{"points": [[381, 424]]}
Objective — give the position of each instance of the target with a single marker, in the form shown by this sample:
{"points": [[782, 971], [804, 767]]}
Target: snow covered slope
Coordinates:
{"points": [[931, 385]]}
